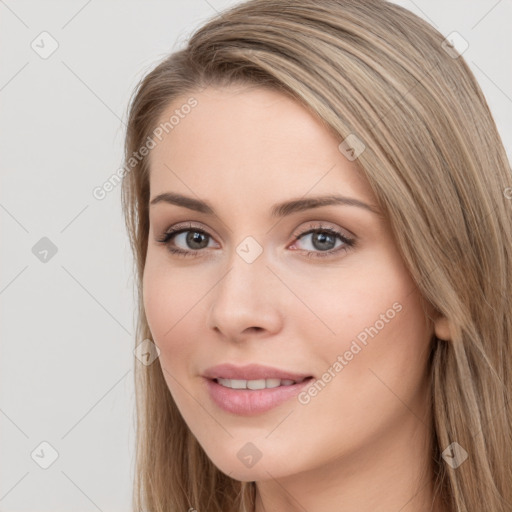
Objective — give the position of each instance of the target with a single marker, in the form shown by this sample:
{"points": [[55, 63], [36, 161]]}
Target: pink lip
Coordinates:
{"points": [[251, 372], [247, 402]]}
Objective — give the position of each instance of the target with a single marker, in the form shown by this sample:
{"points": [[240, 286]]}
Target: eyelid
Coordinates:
{"points": [[185, 226], [298, 232], [315, 225]]}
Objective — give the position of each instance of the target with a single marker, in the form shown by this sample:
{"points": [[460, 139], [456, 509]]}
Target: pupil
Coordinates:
{"points": [[322, 239], [194, 237]]}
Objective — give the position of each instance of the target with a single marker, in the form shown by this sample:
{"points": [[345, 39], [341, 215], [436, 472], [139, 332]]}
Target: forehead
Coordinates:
{"points": [[250, 141]]}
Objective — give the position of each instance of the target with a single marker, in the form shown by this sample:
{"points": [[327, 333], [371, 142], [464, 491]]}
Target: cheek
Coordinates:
{"points": [[170, 301], [374, 342], [168, 295], [370, 293], [173, 301], [370, 333]]}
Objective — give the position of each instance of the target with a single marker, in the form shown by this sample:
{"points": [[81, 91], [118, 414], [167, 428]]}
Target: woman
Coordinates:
{"points": [[319, 205]]}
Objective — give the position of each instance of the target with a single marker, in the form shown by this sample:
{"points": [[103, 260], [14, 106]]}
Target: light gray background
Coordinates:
{"points": [[67, 325]]}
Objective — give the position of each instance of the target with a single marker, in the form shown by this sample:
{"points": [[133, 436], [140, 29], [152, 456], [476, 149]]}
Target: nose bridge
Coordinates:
{"points": [[242, 298], [247, 276]]}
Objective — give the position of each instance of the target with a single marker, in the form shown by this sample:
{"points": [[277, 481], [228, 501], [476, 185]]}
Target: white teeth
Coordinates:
{"points": [[272, 383], [254, 384], [238, 384]]}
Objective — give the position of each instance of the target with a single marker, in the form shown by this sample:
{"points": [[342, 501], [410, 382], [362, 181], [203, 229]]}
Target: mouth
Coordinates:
{"points": [[253, 388], [258, 384]]}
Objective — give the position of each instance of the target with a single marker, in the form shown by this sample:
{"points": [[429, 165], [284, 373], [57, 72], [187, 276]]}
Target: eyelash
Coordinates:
{"points": [[349, 243]]}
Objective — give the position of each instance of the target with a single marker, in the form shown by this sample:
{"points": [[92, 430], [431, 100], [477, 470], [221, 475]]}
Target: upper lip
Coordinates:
{"points": [[251, 372]]}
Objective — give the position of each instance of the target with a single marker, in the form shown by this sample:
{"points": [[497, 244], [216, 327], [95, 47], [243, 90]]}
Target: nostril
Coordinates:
{"points": [[257, 329]]}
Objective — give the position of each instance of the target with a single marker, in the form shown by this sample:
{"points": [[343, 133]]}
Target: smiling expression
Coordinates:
{"points": [[266, 246]]}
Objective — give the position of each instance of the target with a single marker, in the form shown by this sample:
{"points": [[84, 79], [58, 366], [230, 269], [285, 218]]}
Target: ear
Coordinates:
{"points": [[442, 328]]}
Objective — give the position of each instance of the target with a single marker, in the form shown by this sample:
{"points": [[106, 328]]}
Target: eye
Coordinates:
{"points": [[191, 238], [321, 241]]}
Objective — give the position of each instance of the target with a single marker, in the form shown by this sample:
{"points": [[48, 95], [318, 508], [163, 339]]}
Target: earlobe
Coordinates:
{"points": [[442, 328]]}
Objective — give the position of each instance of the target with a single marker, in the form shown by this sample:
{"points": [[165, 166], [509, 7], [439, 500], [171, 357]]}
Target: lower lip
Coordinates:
{"points": [[249, 402]]}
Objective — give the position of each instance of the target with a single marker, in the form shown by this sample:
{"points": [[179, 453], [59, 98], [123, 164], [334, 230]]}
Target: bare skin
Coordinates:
{"points": [[361, 442]]}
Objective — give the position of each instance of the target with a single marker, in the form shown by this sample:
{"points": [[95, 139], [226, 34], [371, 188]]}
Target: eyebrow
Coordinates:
{"points": [[278, 210]]}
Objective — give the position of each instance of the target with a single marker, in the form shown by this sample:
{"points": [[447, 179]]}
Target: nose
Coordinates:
{"points": [[245, 302]]}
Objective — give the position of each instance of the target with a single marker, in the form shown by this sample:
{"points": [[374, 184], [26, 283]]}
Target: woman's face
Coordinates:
{"points": [[310, 290]]}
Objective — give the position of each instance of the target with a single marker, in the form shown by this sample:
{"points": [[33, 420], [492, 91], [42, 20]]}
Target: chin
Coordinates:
{"points": [[247, 464]]}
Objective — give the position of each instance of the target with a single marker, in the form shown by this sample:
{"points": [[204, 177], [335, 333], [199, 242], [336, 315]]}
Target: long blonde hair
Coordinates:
{"points": [[436, 163]]}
